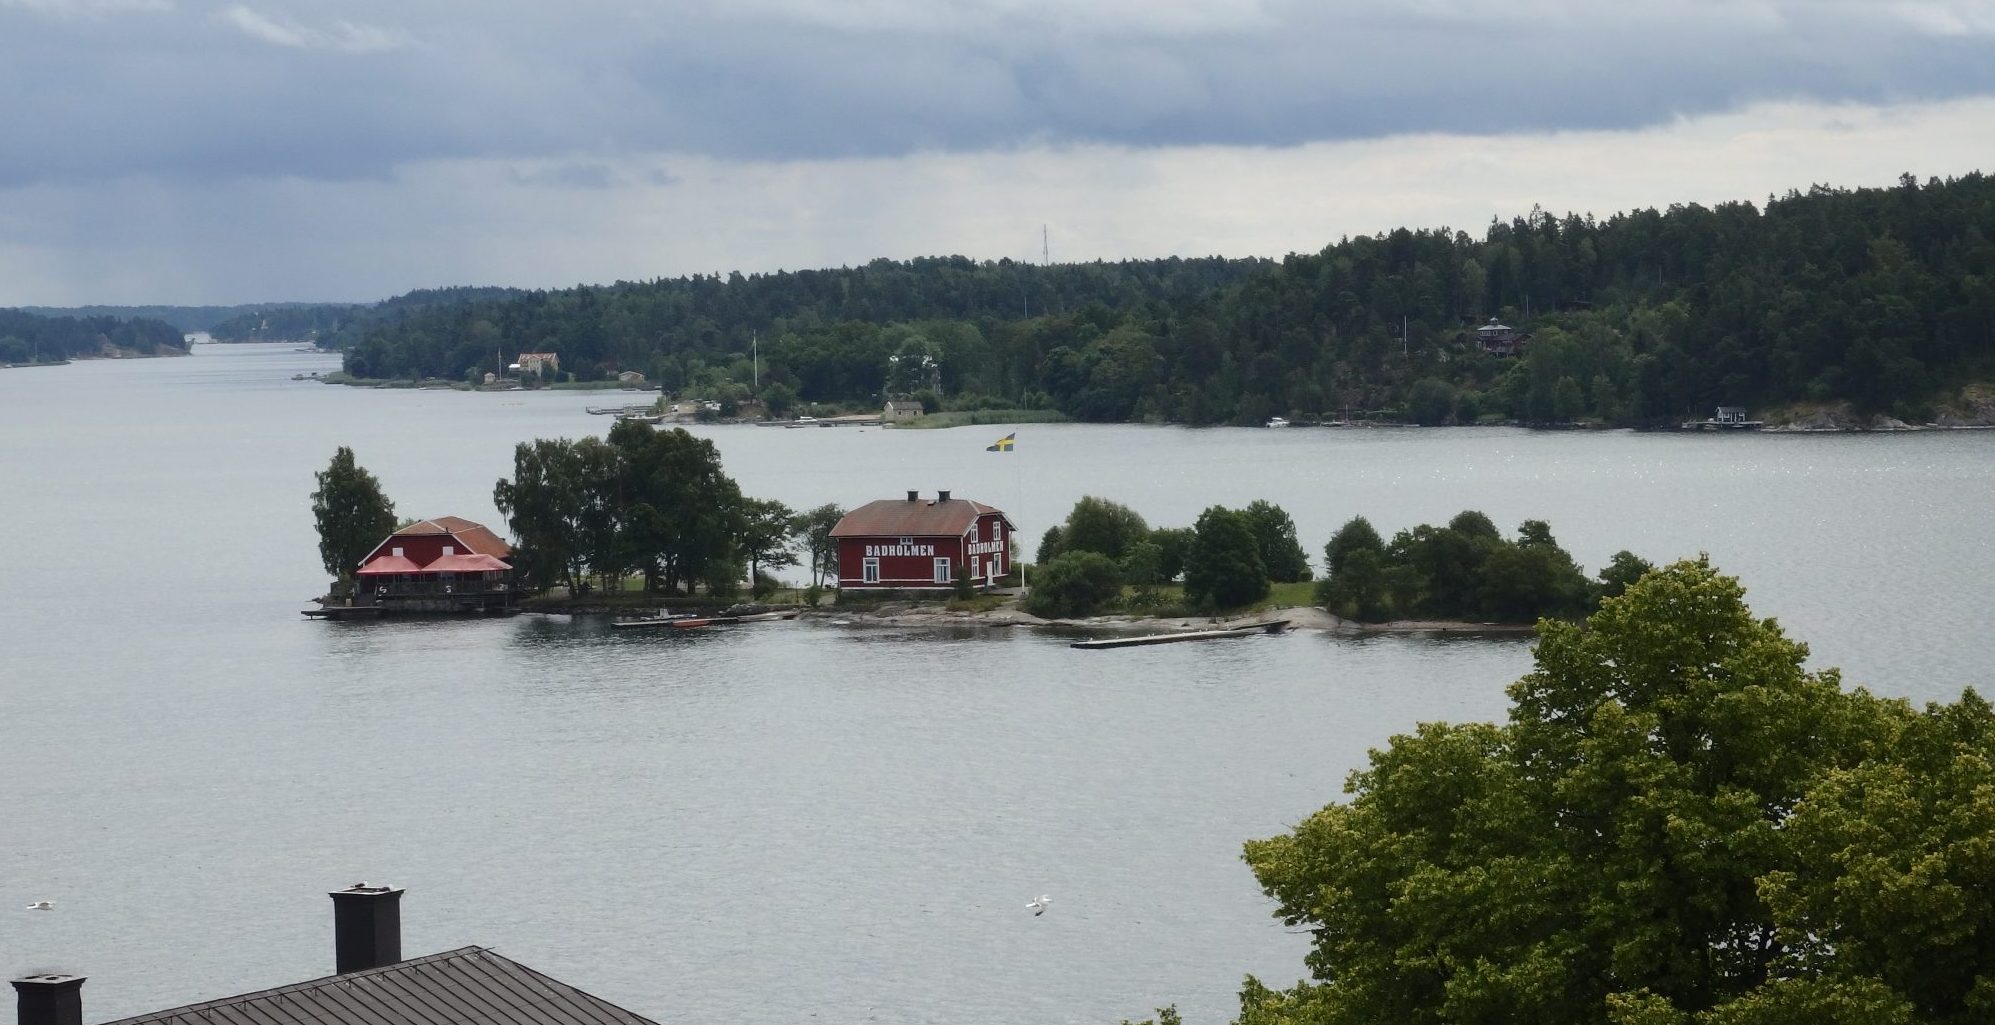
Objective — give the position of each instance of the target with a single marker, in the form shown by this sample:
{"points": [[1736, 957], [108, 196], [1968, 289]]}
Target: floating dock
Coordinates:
{"points": [[1186, 635]]}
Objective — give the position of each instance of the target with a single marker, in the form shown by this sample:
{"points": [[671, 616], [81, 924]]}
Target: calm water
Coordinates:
{"points": [[801, 821]]}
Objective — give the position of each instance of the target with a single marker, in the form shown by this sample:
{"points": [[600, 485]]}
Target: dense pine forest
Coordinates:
{"points": [[1881, 298], [28, 338]]}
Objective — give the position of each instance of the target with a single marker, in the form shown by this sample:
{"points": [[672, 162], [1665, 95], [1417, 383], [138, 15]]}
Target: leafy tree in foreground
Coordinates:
{"points": [[1074, 584], [1677, 825], [1223, 564], [352, 514]]}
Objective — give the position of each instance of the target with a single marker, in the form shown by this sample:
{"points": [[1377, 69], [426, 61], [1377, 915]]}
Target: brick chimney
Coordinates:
{"points": [[367, 927], [50, 999]]}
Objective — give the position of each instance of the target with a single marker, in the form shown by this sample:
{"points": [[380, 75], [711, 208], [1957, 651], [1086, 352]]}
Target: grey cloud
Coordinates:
{"points": [[273, 88]]}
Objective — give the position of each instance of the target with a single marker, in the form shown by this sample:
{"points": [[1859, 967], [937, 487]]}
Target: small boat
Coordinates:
{"points": [[725, 620], [1275, 421], [638, 624]]}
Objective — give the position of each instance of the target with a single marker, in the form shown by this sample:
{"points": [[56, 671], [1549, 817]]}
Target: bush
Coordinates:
{"points": [[1074, 584]]}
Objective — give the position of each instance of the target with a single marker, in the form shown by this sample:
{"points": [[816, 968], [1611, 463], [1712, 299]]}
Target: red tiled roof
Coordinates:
{"points": [[461, 563], [386, 565], [921, 518], [475, 537]]}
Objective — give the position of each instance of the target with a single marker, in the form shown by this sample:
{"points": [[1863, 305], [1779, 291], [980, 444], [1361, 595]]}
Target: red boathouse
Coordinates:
{"points": [[448, 564], [920, 544]]}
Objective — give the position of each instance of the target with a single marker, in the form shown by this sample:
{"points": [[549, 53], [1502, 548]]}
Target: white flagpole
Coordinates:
{"points": [[1018, 469]]}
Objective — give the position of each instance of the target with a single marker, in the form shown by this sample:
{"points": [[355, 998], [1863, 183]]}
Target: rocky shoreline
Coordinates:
{"points": [[1299, 618]]}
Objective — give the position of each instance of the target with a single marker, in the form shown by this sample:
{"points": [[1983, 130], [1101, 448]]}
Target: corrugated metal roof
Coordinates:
{"points": [[468, 986], [920, 518]]}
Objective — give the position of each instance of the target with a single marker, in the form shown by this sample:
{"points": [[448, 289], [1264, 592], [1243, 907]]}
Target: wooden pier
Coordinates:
{"points": [[1184, 635]]}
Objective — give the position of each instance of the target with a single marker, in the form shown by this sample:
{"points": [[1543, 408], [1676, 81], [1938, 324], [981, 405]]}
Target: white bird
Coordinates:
{"points": [[42, 905], [1039, 906]]}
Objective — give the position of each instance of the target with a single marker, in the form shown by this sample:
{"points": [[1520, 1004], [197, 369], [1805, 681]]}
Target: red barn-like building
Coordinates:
{"points": [[920, 544], [448, 564]]}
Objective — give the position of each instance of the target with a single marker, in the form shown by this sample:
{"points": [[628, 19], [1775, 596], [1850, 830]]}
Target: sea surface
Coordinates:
{"points": [[799, 821]]}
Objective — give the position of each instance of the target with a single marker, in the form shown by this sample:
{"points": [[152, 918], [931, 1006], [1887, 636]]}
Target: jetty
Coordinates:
{"points": [[1277, 626]]}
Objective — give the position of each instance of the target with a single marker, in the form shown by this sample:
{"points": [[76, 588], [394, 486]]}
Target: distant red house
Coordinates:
{"points": [[920, 544], [448, 564]]}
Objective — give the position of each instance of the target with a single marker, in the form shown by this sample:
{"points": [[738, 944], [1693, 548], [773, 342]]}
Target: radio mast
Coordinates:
{"points": [[1045, 247]]}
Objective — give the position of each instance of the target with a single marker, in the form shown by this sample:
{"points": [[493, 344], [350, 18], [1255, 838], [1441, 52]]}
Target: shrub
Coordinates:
{"points": [[1073, 584]]}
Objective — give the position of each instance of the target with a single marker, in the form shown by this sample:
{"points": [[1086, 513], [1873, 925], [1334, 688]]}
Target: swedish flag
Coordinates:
{"points": [[1004, 444]]}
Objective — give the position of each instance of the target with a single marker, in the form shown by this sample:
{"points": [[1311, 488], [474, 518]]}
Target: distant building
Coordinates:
{"points": [[631, 377], [919, 544], [902, 409], [372, 985], [448, 564], [1730, 415], [1500, 339], [538, 363]]}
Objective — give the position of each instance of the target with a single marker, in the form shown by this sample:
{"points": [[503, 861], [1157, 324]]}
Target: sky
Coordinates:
{"points": [[193, 152]]}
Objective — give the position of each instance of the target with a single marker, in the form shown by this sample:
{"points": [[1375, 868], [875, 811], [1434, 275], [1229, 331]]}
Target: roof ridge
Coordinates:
{"points": [[300, 987]]}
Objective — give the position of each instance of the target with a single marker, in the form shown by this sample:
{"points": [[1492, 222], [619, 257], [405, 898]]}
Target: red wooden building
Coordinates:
{"points": [[920, 544], [448, 564]]}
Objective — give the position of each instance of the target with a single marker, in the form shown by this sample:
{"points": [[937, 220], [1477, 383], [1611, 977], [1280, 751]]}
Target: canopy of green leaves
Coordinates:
{"points": [[1677, 825]]}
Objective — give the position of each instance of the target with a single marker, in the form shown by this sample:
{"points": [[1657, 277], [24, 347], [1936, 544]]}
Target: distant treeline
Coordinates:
{"points": [[1881, 297], [188, 319], [27, 337], [342, 324]]}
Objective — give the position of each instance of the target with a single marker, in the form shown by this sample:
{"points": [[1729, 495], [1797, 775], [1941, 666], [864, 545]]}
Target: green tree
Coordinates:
{"points": [[1073, 584], [1622, 570], [768, 526], [1143, 565], [1099, 525], [1172, 543], [1355, 535], [1223, 563], [813, 532], [352, 514], [1274, 537], [1678, 823]]}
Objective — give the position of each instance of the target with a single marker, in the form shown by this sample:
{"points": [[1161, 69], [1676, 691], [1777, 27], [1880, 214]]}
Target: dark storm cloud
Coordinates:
{"points": [[146, 88]]}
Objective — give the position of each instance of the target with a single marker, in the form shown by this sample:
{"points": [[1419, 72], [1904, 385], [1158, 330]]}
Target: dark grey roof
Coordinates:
{"points": [[468, 986]]}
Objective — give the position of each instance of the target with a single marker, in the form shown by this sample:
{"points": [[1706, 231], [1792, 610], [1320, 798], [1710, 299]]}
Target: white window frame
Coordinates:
{"points": [[944, 571], [976, 531], [869, 571]]}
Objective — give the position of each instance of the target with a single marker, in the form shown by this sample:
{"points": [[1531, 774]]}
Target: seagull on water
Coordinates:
{"points": [[42, 905], [1039, 906]]}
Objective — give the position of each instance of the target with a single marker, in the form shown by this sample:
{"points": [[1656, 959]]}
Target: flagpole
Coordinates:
{"points": [[1018, 479]]}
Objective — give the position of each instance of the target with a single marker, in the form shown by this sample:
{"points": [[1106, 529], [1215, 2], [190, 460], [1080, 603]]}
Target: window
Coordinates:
{"points": [[976, 531], [448, 550], [397, 552], [871, 572], [942, 575]]}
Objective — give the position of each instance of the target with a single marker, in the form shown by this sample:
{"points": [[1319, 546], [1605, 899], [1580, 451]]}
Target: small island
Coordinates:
{"points": [[647, 520]]}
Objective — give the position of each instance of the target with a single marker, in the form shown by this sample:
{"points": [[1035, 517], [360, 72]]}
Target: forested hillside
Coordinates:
{"points": [[28, 338], [1881, 297], [334, 324]]}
